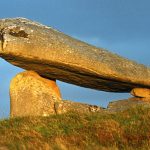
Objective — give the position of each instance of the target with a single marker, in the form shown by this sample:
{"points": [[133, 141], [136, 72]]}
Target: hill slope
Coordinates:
{"points": [[129, 129]]}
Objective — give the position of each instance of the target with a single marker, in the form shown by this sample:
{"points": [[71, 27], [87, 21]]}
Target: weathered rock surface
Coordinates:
{"points": [[33, 95], [121, 105], [66, 106], [54, 55], [141, 92]]}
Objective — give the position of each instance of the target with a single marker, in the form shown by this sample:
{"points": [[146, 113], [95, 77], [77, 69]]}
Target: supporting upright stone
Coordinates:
{"points": [[141, 92], [32, 95]]}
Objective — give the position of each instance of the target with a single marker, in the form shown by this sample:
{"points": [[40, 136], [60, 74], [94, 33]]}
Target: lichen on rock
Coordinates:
{"points": [[32, 95], [54, 55]]}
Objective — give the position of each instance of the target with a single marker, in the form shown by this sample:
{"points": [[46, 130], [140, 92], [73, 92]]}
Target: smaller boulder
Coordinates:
{"points": [[121, 105], [67, 106], [141, 92], [33, 95]]}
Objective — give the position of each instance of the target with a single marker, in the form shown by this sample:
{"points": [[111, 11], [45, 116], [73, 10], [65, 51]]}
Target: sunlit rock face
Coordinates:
{"points": [[141, 92], [32, 95], [54, 55]]}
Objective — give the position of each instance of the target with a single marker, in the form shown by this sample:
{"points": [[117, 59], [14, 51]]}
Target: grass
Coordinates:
{"points": [[125, 130]]}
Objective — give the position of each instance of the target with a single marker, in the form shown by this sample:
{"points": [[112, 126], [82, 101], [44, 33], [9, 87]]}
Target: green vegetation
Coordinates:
{"points": [[125, 130]]}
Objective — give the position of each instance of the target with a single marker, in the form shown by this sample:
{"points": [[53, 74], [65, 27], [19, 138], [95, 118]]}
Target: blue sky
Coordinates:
{"points": [[121, 26]]}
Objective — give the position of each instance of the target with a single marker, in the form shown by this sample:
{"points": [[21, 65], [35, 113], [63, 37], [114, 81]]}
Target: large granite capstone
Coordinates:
{"points": [[54, 55]]}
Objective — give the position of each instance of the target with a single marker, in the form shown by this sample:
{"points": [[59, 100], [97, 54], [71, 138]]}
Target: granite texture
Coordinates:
{"points": [[32, 95], [54, 55]]}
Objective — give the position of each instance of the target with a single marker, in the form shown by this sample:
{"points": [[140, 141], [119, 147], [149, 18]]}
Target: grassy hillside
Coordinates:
{"points": [[125, 130]]}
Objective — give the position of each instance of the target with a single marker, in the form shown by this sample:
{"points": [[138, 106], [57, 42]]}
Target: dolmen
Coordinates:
{"points": [[49, 54]]}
